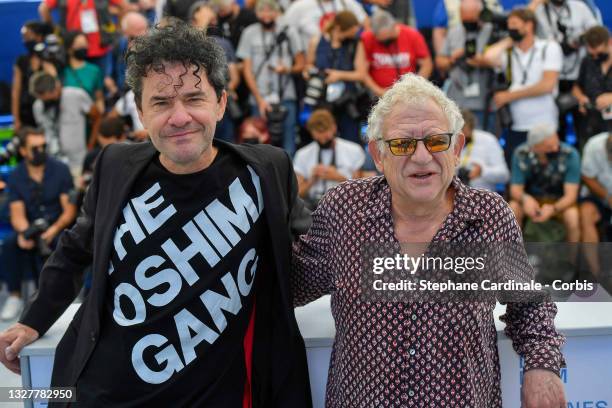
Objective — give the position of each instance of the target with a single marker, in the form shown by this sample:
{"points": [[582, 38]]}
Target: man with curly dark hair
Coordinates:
{"points": [[189, 239]]}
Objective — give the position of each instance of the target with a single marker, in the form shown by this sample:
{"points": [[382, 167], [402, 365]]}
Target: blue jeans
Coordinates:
{"points": [[288, 125]]}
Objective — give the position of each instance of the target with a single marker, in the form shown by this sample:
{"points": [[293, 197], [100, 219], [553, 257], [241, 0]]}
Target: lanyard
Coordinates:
{"points": [[525, 69]]}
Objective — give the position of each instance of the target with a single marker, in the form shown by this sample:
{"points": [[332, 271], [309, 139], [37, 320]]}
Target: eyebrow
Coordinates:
{"points": [[161, 98]]}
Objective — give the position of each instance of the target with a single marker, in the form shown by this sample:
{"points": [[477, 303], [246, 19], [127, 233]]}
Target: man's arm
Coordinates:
{"points": [[546, 85], [44, 12], [569, 198], [425, 67], [595, 187], [530, 326], [494, 169], [66, 218], [16, 97]]}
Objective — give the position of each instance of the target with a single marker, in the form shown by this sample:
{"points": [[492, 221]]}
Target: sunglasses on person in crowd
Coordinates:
{"points": [[407, 146]]}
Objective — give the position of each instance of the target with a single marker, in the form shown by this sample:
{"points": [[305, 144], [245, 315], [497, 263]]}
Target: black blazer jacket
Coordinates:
{"points": [[280, 371]]}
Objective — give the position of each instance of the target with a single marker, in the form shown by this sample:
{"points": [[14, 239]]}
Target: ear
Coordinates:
{"points": [[221, 106], [376, 155], [140, 116], [459, 145]]}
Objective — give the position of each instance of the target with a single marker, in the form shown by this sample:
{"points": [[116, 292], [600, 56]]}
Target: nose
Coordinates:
{"points": [[179, 117], [421, 155]]}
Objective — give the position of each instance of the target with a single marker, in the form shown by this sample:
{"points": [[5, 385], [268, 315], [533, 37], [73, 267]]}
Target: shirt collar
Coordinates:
{"points": [[465, 207]]}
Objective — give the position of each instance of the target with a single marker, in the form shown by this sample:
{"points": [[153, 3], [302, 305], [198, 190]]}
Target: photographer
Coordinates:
{"points": [[327, 161], [392, 50], [593, 89], [545, 180], [333, 67], [33, 34], [270, 55], [62, 113], [40, 209], [531, 69], [482, 163], [565, 21], [462, 57]]}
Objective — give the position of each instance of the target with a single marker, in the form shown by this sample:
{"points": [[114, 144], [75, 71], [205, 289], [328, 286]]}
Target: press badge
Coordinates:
{"points": [[89, 21], [472, 90]]}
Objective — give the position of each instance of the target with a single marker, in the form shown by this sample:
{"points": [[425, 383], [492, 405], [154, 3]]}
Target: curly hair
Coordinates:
{"points": [[175, 43]]}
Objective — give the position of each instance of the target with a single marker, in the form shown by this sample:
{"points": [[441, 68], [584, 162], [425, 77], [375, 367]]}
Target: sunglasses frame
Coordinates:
{"points": [[450, 139]]}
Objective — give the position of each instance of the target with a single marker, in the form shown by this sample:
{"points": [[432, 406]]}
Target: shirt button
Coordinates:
{"points": [[414, 317], [411, 393], [412, 352], [93, 336]]}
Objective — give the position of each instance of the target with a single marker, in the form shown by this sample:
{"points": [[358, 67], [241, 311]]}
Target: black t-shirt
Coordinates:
{"points": [[178, 318], [232, 28]]}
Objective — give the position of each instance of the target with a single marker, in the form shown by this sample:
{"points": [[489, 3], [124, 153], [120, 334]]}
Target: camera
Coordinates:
{"points": [[315, 88], [34, 231], [10, 150], [51, 50], [276, 123], [504, 116], [498, 20]]}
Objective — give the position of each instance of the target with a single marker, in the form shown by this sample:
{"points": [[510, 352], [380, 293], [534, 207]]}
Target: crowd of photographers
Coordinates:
{"points": [[534, 84]]}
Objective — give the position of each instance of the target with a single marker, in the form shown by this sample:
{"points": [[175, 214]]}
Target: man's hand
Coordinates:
{"points": [[264, 107], [542, 389], [531, 207], [475, 172], [49, 234], [332, 75], [502, 98], [12, 340], [25, 243], [455, 55], [603, 101], [546, 213], [327, 173]]}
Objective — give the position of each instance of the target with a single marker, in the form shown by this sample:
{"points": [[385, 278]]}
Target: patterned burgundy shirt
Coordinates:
{"points": [[399, 354]]}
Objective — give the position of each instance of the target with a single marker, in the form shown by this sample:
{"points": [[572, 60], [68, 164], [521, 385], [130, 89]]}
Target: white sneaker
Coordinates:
{"points": [[12, 308]]}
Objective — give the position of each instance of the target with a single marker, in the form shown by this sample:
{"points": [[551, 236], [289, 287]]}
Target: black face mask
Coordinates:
{"points": [[516, 35], [552, 155], [267, 25], [224, 19], [51, 104], [39, 157], [250, 140], [80, 53], [326, 145], [471, 26], [29, 45], [387, 42], [558, 3], [601, 58]]}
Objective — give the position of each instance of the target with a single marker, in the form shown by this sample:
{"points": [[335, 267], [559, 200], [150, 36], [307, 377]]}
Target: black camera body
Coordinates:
{"points": [[315, 88], [276, 123], [34, 232], [504, 116]]}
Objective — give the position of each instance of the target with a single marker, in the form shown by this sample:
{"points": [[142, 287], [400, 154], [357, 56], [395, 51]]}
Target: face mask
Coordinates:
{"points": [[51, 104], [39, 157], [326, 145], [470, 26], [558, 2], [29, 45], [601, 58], [387, 42], [250, 140], [267, 25], [224, 19], [516, 35], [80, 53], [552, 155]]}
